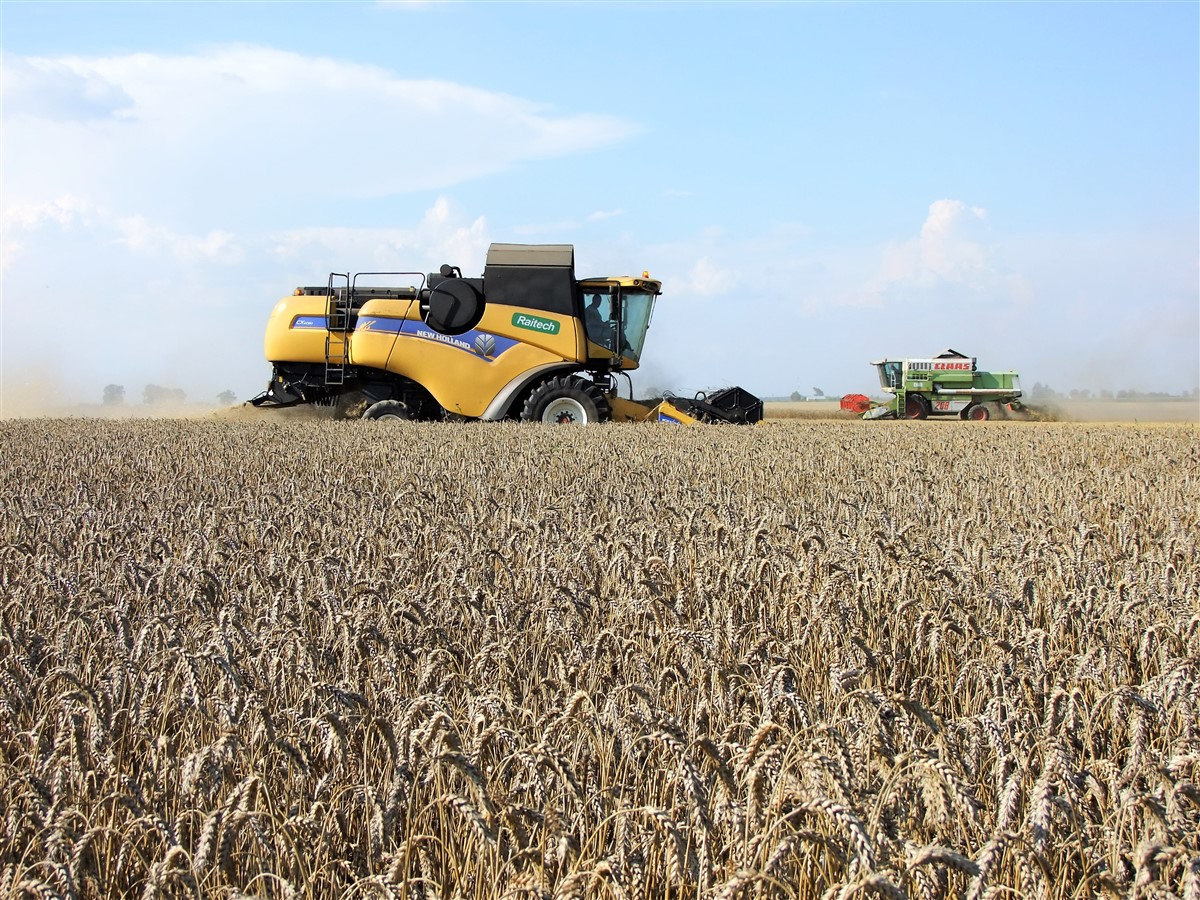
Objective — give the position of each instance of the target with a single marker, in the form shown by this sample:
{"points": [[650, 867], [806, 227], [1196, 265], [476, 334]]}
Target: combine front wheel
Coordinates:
{"points": [[388, 411], [915, 407], [566, 401]]}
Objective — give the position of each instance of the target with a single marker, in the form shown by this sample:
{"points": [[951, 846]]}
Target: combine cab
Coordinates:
{"points": [[524, 341], [948, 384]]}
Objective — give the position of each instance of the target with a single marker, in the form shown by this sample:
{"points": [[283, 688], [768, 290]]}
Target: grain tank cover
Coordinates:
{"points": [[535, 276], [561, 255]]}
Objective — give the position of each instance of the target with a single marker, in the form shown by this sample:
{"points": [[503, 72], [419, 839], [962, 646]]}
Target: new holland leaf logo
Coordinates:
{"points": [[535, 323], [485, 345]]}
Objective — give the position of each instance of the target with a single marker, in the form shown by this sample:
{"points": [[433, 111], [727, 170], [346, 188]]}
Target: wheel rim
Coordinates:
{"points": [[978, 414], [913, 407], [565, 411]]}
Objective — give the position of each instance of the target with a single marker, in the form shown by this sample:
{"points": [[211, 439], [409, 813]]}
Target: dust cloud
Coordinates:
{"points": [[32, 396], [1180, 410], [48, 397]]}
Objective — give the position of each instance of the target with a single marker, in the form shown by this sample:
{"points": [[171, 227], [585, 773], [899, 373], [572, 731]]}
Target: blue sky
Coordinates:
{"points": [[817, 184]]}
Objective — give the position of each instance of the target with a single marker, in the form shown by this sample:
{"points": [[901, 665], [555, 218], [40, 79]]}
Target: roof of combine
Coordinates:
{"points": [[558, 255], [535, 276]]}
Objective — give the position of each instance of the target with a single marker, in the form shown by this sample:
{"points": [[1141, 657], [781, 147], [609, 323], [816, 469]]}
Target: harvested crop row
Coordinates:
{"points": [[801, 660]]}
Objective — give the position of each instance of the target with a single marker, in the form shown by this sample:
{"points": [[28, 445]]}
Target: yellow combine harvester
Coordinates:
{"points": [[526, 341]]}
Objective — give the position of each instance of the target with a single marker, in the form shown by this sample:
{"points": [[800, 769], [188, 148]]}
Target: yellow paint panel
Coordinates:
{"points": [[465, 381], [371, 346], [630, 411], [461, 381], [565, 343], [285, 343]]}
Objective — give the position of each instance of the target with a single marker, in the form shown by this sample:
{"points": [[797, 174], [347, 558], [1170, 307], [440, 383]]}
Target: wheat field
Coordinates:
{"points": [[831, 659]]}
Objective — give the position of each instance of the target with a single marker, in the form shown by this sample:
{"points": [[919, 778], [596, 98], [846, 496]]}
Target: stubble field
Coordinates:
{"points": [[808, 659]]}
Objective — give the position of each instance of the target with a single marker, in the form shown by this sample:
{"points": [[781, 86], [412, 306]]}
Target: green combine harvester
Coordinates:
{"points": [[948, 384]]}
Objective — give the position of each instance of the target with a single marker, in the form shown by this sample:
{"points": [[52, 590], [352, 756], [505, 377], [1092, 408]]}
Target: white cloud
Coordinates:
{"points": [[26, 225], [215, 246], [62, 211], [952, 252], [20, 221], [706, 278], [951, 245], [58, 90], [226, 133], [441, 234]]}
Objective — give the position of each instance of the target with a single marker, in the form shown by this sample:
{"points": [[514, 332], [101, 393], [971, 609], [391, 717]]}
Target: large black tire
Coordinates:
{"points": [[977, 412], [388, 410], [915, 407], [566, 401]]}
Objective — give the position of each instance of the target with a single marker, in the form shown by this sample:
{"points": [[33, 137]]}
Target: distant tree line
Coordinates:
{"points": [[1043, 392], [156, 395]]}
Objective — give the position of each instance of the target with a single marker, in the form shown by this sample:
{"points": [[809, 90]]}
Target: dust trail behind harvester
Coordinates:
{"points": [[31, 396], [302, 412], [1031, 412], [44, 396]]}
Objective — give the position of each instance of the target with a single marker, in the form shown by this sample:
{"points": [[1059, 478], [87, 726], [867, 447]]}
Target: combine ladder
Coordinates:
{"points": [[337, 326]]}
